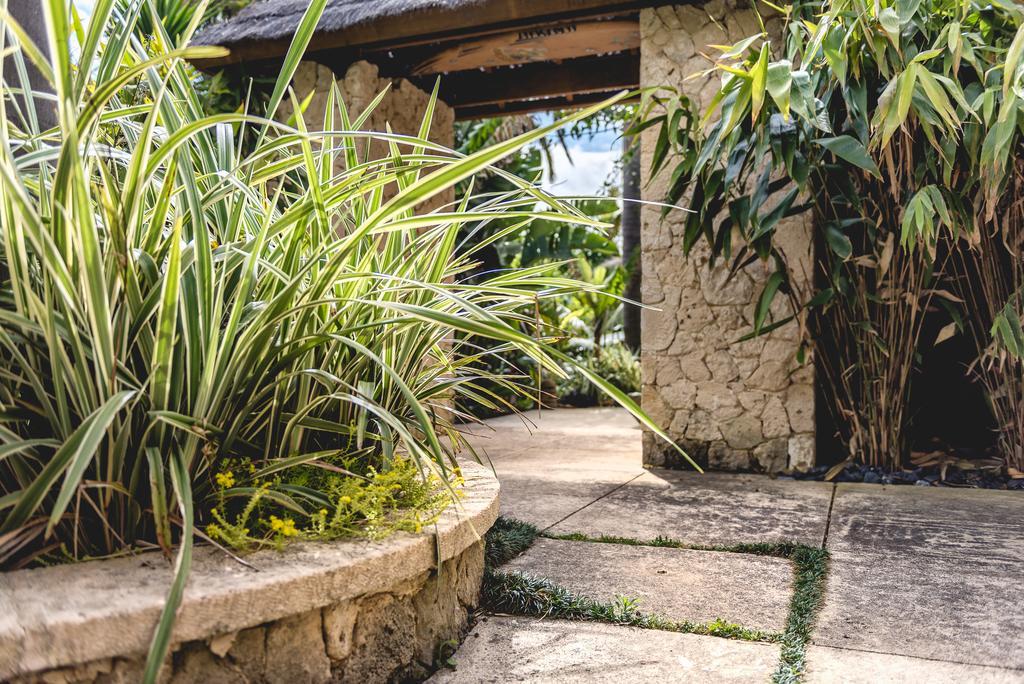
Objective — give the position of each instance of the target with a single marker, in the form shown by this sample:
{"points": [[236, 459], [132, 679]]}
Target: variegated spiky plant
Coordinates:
{"points": [[171, 297]]}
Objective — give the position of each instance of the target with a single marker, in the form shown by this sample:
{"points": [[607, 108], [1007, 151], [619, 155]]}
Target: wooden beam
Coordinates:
{"points": [[556, 41], [425, 26], [539, 80], [527, 106]]}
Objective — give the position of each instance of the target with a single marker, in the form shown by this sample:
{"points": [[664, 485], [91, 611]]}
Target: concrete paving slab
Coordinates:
{"points": [[567, 444], [543, 502], [709, 508], [860, 667], [752, 591], [504, 649], [978, 526], [555, 464], [571, 421], [929, 573]]}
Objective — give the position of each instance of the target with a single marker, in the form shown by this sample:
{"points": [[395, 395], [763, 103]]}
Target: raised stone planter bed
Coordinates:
{"points": [[353, 611]]}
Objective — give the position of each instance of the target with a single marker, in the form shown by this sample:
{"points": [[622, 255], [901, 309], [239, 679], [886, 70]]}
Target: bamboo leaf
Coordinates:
{"points": [[779, 84], [849, 149], [758, 82], [764, 302]]}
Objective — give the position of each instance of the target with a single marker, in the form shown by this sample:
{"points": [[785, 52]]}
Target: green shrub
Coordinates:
{"points": [[616, 363]]}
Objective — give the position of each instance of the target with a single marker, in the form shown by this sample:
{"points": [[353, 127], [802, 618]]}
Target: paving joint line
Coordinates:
{"points": [[828, 516], [587, 505]]}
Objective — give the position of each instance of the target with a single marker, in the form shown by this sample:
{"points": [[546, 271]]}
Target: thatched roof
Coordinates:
{"points": [[495, 55], [273, 20], [264, 29]]}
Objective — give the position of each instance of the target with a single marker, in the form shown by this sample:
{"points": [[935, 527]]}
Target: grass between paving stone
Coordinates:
{"points": [[517, 593], [810, 570], [506, 539], [520, 594]]}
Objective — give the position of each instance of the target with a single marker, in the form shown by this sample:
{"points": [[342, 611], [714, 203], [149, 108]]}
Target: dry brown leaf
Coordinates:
{"points": [[836, 469], [947, 332]]}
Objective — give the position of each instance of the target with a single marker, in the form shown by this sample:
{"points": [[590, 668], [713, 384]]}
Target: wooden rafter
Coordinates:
{"points": [[527, 106], [430, 27], [551, 42], [541, 80]]}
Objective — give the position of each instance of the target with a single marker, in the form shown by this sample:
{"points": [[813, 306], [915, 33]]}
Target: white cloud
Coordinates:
{"points": [[84, 8], [585, 174]]}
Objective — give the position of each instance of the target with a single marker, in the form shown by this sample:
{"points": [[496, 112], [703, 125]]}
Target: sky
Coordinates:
{"points": [[84, 8], [584, 170]]}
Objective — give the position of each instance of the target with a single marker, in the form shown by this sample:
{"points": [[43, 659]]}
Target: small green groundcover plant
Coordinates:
{"points": [[228, 325], [519, 594], [399, 498]]}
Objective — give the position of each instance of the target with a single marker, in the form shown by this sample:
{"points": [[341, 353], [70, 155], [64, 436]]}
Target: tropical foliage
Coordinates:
{"points": [[897, 125], [194, 329], [581, 322], [176, 17]]}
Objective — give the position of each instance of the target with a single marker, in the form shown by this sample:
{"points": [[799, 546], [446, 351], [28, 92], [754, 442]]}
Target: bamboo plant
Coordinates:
{"points": [[895, 125]]}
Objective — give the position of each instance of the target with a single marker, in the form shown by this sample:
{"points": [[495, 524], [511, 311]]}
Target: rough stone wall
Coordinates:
{"points": [[402, 108], [733, 405], [393, 636]]}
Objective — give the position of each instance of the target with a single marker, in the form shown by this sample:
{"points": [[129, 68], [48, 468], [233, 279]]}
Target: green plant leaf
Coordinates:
{"points": [[764, 302], [779, 84], [838, 242], [850, 149], [758, 82], [890, 22], [72, 458]]}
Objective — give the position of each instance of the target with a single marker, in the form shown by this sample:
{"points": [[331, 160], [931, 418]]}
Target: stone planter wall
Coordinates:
{"points": [[316, 612], [732, 405]]}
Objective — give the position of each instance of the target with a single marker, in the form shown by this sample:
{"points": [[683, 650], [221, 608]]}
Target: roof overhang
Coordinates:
{"points": [[493, 56]]}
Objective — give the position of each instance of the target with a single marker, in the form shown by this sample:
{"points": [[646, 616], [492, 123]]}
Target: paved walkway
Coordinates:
{"points": [[924, 584]]}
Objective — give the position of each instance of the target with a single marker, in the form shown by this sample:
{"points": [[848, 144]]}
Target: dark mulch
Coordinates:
{"points": [[931, 476]]}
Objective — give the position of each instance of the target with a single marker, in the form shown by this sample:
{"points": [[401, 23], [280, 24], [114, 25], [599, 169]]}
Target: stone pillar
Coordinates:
{"points": [[732, 405], [402, 108]]}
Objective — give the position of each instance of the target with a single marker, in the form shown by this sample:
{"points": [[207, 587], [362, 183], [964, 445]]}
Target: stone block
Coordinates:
{"points": [[722, 456], [743, 431], [770, 376], [248, 652], [339, 623], [722, 366], [718, 399], [679, 584], [801, 452], [694, 368], [296, 651], [772, 456], [702, 426], [774, 419], [470, 575], [708, 508], [199, 664], [800, 408], [706, 310], [384, 640], [505, 649], [680, 395]]}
